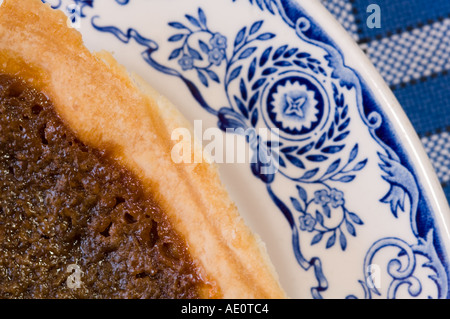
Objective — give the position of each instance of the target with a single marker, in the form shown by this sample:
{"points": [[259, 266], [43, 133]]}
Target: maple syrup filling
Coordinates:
{"points": [[73, 223]]}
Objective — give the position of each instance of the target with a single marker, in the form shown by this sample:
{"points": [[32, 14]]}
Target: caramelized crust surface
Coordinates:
{"points": [[107, 110]]}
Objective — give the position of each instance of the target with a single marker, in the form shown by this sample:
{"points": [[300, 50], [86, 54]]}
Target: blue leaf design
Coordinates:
{"points": [[253, 100], [310, 174], [202, 16], [296, 204], [175, 53], [192, 20], [279, 52], [251, 70], [302, 55], [295, 160], [344, 112], [339, 100], [345, 179], [312, 67], [333, 167], [302, 193], [350, 228], [336, 118], [327, 211], [300, 64], [213, 75], [331, 241], [321, 141], [353, 153], [258, 83], [333, 149], [312, 60], [335, 90], [342, 136], [360, 165], [265, 56], [280, 161], [247, 52], [319, 218], [355, 219], [269, 6], [290, 53], [305, 148], [331, 130], [254, 118], [317, 238], [241, 106], [194, 54], [176, 37], [343, 240], [235, 73], [243, 90], [240, 36], [265, 36], [203, 46], [177, 25], [289, 149], [202, 78], [269, 71], [260, 4], [322, 70], [255, 27], [317, 158], [344, 125], [283, 63]]}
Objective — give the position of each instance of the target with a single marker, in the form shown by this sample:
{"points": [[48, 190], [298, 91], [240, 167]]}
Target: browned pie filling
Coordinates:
{"points": [[64, 203]]}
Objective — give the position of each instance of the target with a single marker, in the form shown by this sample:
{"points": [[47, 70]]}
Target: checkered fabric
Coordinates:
{"points": [[411, 50]]}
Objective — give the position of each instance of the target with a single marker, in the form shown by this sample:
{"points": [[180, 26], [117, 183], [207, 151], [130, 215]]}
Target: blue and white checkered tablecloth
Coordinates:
{"points": [[411, 50]]}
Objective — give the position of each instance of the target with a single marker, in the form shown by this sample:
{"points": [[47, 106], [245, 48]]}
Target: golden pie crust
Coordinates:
{"points": [[110, 110]]}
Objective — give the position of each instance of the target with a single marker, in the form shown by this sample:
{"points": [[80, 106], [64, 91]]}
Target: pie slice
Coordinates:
{"points": [[91, 203]]}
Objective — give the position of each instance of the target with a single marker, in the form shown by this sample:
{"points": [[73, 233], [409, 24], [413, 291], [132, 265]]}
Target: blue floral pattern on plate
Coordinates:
{"points": [[306, 91]]}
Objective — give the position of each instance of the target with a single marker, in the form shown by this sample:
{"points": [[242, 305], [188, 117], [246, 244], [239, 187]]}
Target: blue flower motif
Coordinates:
{"points": [[216, 55], [337, 198], [307, 222], [186, 62], [218, 41], [322, 197]]}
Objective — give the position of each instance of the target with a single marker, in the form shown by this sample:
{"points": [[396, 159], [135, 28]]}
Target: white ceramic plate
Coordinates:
{"points": [[351, 207]]}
